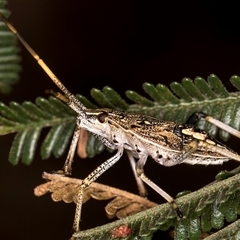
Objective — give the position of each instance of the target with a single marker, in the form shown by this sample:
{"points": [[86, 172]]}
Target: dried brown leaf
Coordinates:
{"points": [[130, 210], [66, 189]]}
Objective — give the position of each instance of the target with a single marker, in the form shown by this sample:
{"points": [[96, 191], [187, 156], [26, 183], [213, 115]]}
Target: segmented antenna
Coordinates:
{"points": [[72, 102]]}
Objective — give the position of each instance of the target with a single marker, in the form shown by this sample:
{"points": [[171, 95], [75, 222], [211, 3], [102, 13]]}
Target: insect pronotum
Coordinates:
{"points": [[168, 143]]}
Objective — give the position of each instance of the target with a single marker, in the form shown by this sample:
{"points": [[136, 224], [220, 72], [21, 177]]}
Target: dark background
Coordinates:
{"points": [[121, 44]]}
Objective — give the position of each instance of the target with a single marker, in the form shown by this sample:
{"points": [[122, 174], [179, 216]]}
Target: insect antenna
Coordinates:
{"points": [[70, 100], [57, 95]]}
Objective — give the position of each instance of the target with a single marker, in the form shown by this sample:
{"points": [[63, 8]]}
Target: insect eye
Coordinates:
{"points": [[102, 116]]}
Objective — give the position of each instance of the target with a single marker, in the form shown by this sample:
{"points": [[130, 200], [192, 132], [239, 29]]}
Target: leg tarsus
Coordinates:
{"points": [[67, 170], [177, 210], [179, 213]]}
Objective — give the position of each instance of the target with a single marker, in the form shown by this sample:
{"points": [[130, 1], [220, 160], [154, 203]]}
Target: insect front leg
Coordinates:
{"points": [[88, 180], [140, 172], [67, 168]]}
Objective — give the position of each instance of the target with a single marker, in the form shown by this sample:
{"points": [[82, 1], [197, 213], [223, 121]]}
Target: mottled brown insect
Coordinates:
{"points": [[141, 136]]}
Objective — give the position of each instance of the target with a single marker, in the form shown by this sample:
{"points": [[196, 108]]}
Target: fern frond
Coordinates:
{"points": [[9, 58], [232, 231], [28, 120]]}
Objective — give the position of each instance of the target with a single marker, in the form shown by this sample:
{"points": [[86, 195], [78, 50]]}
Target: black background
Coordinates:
{"points": [[121, 44]]}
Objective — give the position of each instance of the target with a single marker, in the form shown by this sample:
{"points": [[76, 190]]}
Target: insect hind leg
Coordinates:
{"points": [[195, 117], [140, 172]]}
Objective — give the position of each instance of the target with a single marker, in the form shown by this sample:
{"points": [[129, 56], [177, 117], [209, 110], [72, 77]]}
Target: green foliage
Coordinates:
{"points": [[29, 119], [9, 58]]}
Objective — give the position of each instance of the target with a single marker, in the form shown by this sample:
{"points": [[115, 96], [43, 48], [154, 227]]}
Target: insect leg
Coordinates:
{"points": [[88, 180], [67, 168], [141, 187], [198, 115], [140, 172], [223, 126], [57, 95]]}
